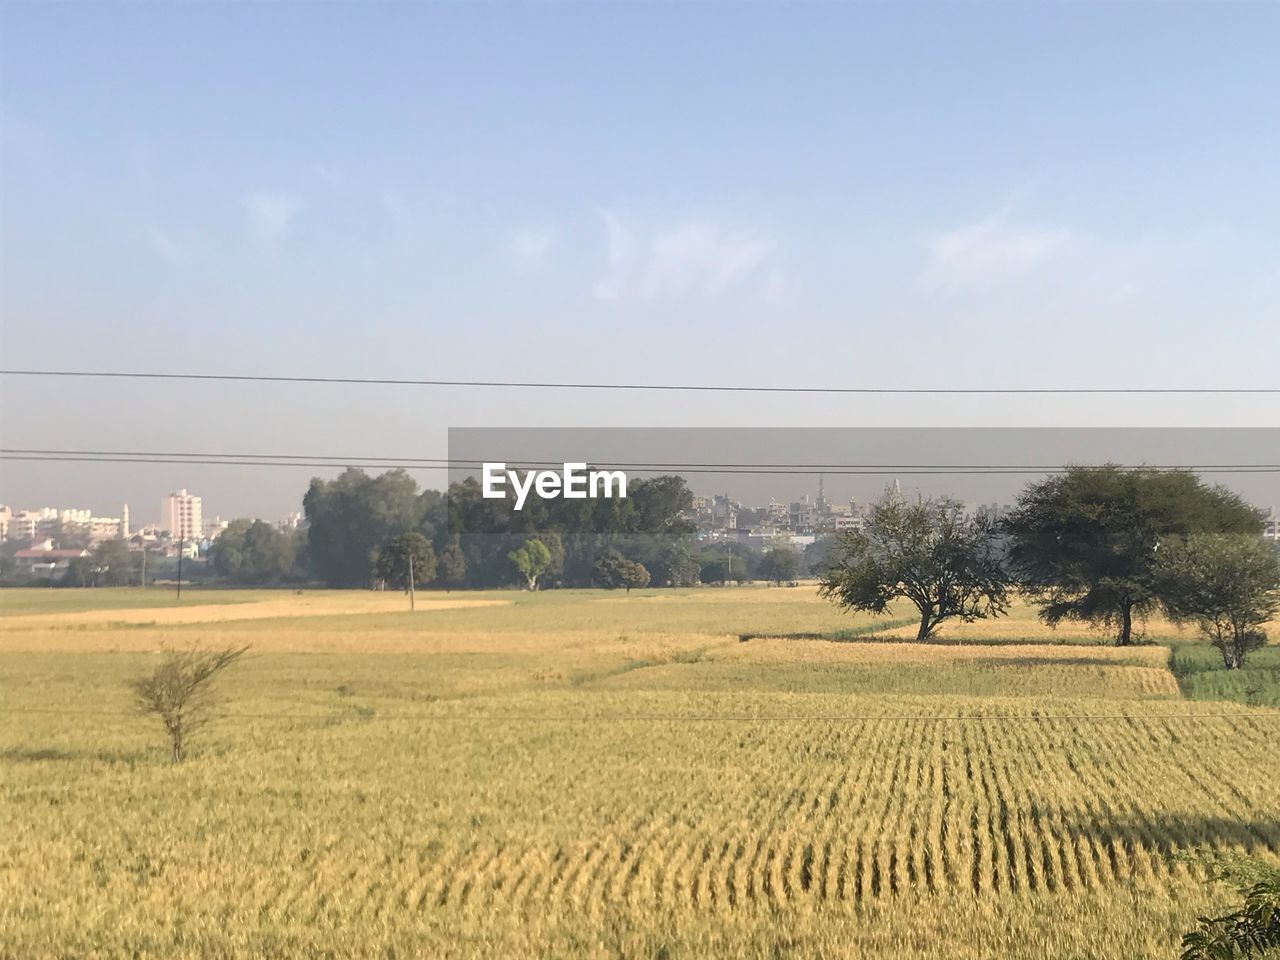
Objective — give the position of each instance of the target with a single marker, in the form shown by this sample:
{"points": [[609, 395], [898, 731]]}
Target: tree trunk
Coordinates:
{"points": [[1126, 626], [176, 755], [926, 627]]}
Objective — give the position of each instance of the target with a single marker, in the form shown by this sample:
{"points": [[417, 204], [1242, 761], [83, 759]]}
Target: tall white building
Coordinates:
{"points": [[181, 515]]}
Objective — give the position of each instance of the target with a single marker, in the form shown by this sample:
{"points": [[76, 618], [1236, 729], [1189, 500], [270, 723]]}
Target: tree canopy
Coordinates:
{"points": [[1227, 584], [779, 564], [531, 560], [926, 552], [350, 517], [405, 554], [1083, 543], [253, 552], [612, 570], [451, 564]]}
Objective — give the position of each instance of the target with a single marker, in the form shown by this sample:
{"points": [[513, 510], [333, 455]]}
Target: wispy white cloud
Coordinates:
{"points": [[992, 251], [688, 258], [270, 214], [530, 245]]}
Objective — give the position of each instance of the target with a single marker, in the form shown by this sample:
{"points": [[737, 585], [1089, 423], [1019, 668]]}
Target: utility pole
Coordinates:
{"points": [[143, 581], [411, 580], [181, 543]]}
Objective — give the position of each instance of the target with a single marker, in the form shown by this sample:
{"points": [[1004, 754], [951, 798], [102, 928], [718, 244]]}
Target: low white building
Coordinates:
{"points": [[42, 560]]}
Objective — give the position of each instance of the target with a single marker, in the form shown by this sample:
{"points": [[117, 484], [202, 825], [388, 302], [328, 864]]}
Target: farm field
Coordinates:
{"points": [[594, 774]]}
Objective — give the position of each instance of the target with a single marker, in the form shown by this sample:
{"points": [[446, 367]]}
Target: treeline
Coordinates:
{"points": [[364, 530], [359, 534]]}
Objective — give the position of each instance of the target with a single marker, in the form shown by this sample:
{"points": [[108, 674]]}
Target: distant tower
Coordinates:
{"points": [[821, 496], [124, 522], [897, 489]]}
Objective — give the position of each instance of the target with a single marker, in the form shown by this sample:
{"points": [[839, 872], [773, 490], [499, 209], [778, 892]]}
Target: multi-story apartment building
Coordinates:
{"points": [[180, 514]]}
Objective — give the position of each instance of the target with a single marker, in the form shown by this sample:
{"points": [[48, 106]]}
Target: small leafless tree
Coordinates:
{"points": [[179, 691]]}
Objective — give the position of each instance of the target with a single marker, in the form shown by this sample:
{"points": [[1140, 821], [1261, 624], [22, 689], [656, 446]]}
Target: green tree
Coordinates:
{"points": [[531, 560], [82, 572], [659, 505], [114, 566], [612, 570], [1228, 585], [253, 552], [350, 517], [451, 565], [675, 566], [1083, 544], [926, 552], [400, 554], [779, 564], [1250, 932], [815, 555], [721, 569], [635, 574]]}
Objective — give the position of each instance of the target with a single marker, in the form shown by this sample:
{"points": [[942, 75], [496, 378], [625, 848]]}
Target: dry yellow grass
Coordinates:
{"points": [[292, 606], [607, 776]]}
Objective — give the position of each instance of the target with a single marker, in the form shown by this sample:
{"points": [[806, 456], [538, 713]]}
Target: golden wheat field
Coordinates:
{"points": [[590, 774]]}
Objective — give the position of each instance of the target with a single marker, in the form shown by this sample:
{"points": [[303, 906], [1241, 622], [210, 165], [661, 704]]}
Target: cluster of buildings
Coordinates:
{"points": [[51, 538], [799, 523], [48, 539], [796, 523]]}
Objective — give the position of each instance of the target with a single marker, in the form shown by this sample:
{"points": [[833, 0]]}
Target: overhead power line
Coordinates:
{"points": [[320, 461], [587, 385]]}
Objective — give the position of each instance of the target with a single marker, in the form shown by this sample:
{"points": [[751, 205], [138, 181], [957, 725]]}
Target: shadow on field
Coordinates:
{"points": [[1170, 832], [873, 635], [52, 755]]}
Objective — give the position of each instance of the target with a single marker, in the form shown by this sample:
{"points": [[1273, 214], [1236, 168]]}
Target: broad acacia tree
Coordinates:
{"points": [[1228, 585], [1083, 543], [927, 552]]}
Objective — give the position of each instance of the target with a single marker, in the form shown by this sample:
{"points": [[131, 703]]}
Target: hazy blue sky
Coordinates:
{"points": [[836, 193]]}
